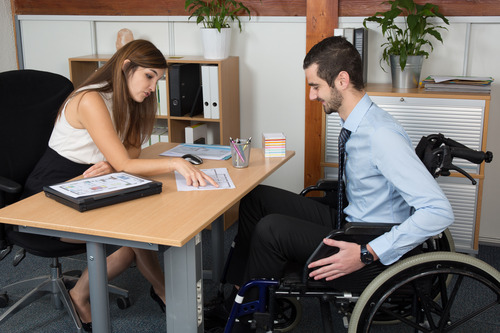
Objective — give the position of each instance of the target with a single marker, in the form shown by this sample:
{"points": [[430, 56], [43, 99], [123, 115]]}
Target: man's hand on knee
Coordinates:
{"points": [[346, 261]]}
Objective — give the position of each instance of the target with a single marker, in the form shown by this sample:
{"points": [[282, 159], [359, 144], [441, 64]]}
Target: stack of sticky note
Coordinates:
{"points": [[274, 144]]}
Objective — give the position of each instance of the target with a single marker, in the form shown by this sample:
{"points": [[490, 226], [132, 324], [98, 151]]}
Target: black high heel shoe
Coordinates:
{"points": [[157, 299], [87, 327]]}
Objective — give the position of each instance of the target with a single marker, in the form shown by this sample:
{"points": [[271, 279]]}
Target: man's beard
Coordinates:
{"points": [[334, 103]]}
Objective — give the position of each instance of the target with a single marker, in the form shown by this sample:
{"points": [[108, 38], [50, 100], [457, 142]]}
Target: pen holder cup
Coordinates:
{"points": [[240, 154]]}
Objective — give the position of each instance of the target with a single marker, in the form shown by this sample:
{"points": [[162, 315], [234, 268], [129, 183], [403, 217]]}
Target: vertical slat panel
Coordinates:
{"points": [[461, 120], [463, 199]]}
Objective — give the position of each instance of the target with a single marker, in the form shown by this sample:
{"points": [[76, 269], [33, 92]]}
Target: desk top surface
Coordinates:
{"points": [[170, 218]]}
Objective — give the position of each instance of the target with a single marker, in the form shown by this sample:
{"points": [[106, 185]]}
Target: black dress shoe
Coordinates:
{"points": [[215, 316], [157, 299]]}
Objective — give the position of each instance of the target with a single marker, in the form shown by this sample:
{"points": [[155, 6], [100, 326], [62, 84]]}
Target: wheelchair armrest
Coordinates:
{"points": [[354, 232], [9, 186], [325, 185]]}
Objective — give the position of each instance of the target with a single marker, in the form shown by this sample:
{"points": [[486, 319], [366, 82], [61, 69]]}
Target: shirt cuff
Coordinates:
{"points": [[385, 253]]}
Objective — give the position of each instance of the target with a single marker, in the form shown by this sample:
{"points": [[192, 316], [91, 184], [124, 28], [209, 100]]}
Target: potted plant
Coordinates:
{"points": [[407, 44], [215, 16]]}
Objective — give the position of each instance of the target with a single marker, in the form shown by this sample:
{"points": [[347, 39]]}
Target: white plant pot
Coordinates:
{"points": [[216, 44]]}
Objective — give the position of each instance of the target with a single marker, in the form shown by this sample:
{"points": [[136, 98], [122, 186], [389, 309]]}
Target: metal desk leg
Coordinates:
{"points": [[217, 248], [98, 280], [184, 287]]}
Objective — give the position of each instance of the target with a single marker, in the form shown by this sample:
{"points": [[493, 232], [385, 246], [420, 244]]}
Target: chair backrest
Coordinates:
{"points": [[30, 100]]}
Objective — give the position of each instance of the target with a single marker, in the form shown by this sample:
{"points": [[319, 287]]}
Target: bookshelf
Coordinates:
{"points": [[224, 127]]}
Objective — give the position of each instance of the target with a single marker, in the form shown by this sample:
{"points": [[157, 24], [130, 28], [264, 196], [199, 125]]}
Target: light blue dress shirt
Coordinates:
{"points": [[385, 178]]}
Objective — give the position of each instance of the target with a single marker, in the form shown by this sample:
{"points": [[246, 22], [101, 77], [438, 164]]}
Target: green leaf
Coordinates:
{"points": [[216, 13], [416, 32]]}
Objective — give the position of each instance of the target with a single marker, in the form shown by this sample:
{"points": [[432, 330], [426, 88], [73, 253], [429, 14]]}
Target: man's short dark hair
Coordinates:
{"points": [[334, 55]]}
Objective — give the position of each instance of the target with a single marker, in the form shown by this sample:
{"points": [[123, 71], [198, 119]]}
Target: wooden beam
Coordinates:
{"points": [[322, 18], [145, 7], [447, 7], [258, 7]]}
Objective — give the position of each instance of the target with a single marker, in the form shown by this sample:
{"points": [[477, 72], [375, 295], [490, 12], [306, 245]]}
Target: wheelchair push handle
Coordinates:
{"points": [[473, 156]]}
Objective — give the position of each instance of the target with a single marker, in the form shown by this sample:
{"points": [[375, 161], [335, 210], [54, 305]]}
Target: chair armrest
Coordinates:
{"points": [[354, 232], [325, 185], [9, 186]]}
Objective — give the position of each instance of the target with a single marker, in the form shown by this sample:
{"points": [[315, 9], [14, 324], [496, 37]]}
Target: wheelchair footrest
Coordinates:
{"points": [[253, 306]]}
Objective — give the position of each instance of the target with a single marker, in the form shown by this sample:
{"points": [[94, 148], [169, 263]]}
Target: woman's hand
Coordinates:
{"points": [[98, 169], [194, 177]]}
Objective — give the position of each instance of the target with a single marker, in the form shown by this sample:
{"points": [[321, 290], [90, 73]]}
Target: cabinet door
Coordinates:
{"points": [[459, 119], [463, 199]]}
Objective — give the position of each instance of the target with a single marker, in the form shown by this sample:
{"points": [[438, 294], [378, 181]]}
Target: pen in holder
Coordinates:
{"points": [[240, 152]]}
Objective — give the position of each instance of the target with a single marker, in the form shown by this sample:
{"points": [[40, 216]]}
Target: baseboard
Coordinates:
{"points": [[491, 241]]}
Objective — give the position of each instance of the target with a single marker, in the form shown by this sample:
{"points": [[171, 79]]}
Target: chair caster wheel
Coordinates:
{"points": [[123, 302], [4, 300]]}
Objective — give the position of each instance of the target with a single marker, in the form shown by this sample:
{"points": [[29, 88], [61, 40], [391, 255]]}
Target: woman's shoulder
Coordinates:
{"points": [[88, 101]]}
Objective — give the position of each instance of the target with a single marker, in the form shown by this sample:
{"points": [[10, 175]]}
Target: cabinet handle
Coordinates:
{"points": [[402, 99]]}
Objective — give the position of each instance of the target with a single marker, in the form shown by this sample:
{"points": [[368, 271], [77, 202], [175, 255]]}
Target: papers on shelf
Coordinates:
{"points": [[209, 152], [466, 79], [220, 175], [458, 83], [99, 185]]}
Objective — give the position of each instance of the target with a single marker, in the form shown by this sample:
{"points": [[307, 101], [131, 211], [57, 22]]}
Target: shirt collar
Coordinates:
{"points": [[357, 114]]}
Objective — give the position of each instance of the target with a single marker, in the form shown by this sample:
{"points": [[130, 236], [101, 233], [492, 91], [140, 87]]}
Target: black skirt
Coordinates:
{"points": [[51, 169]]}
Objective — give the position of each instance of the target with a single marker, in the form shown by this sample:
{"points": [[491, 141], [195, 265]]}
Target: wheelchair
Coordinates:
{"points": [[419, 293]]}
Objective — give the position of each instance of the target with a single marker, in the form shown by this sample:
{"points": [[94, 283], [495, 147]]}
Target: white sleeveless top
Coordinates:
{"points": [[75, 144]]}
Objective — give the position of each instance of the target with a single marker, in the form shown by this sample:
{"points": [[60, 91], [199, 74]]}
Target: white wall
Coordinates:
{"points": [[7, 40], [272, 84]]}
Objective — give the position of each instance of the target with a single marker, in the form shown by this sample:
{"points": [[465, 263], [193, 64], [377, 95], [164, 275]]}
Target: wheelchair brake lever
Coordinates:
{"points": [[454, 167]]}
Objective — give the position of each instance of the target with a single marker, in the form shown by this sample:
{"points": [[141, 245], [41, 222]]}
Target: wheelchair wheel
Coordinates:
{"points": [[442, 242], [289, 313], [406, 292]]}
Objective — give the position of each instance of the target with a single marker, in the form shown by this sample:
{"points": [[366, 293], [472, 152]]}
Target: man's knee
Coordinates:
{"points": [[269, 228]]}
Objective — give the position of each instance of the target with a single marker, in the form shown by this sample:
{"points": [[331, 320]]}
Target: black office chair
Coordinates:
{"points": [[420, 292], [30, 100]]}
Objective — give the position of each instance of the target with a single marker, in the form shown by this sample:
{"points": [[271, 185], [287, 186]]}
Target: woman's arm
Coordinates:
{"points": [[89, 111]]}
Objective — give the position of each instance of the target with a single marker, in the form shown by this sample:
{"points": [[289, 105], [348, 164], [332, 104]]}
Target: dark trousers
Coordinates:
{"points": [[51, 169], [277, 228]]}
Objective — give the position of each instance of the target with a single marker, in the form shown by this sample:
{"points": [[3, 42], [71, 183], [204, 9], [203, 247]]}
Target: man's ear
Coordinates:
{"points": [[342, 80]]}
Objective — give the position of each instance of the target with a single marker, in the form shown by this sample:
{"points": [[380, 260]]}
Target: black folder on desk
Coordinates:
{"points": [[105, 190]]}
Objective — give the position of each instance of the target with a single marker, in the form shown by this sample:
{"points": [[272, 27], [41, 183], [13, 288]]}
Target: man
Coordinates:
{"points": [[385, 182]]}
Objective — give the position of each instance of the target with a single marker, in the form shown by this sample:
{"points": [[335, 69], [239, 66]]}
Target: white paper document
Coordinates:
{"points": [[439, 79], [209, 152], [99, 185], [220, 175]]}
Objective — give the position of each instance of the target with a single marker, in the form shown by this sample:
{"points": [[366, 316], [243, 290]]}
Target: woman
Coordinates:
{"points": [[100, 129]]}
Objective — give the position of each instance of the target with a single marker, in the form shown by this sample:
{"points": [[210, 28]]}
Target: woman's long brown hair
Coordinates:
{"points": [[134, 121]]}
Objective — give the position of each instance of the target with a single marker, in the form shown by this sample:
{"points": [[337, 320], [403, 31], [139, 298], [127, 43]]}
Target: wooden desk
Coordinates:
{"points": [[171, 221]]}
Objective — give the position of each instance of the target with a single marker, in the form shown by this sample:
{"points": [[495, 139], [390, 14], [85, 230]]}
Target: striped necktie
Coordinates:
{"points": [[343, 137]]}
